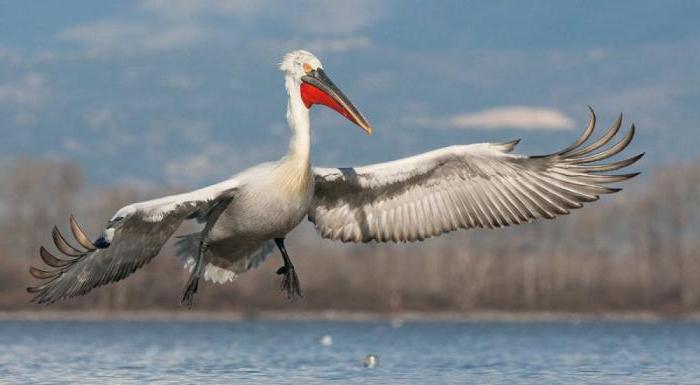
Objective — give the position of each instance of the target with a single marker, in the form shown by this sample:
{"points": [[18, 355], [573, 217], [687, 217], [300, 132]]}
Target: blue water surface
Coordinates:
{"points": [[289, 352]]}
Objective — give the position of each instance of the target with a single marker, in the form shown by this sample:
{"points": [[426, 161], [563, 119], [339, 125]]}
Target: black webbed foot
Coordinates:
{"points": [[290, 282], [193, 281], [190, 290]]}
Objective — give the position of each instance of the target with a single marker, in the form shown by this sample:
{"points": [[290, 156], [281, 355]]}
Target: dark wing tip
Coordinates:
{"points": [[508, 146], [575, 169], [41, 274], [79, 234], [637, 157], [585, 135], [63, 245], [60, 265]]}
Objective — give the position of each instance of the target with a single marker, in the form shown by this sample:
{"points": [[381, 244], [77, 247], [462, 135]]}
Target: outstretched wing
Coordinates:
{"points": [[478, 185], [133, 236]]}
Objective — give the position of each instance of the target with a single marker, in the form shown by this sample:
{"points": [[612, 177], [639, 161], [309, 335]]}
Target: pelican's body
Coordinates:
{"points": [[269, 200], [264, 209], [410, 199]]}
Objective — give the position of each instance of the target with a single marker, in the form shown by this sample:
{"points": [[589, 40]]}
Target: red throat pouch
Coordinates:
{"points": [[311, 95]]}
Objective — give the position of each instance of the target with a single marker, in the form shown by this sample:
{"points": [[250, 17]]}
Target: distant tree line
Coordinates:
{"points": [[637, 250]]}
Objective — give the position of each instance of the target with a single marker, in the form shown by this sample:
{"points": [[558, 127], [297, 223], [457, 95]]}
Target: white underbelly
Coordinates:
{"points": [[261, 216]]}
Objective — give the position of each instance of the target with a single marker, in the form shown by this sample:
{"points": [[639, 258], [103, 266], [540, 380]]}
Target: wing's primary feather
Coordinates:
{"points": [[478, 185], [138, 231]]}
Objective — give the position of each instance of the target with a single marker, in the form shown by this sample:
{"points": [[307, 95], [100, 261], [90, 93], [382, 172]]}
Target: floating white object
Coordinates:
{"points": [[396, 323], [326, 340], [371, 361]]}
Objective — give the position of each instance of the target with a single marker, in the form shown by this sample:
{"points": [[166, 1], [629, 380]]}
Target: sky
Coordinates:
{"points": [[186, 93]]}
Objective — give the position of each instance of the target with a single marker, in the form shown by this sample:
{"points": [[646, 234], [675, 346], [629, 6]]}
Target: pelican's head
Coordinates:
{"points": [[316, 88]]}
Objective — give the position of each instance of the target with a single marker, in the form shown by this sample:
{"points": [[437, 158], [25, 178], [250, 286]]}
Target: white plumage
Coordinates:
{"points": [[462, 186], [477, 185]]}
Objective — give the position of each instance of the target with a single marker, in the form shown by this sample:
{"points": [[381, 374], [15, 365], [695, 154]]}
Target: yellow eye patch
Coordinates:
{"points": [[307, 67]]}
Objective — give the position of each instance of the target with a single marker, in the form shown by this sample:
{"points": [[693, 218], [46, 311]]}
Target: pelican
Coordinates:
{"points": [[244, 217]]}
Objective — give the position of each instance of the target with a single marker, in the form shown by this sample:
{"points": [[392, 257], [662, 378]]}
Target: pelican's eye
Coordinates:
{"points": [[307, 68]]}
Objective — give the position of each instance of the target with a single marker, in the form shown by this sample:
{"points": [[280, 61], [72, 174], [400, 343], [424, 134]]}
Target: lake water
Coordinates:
{"points": [[281, 352]]}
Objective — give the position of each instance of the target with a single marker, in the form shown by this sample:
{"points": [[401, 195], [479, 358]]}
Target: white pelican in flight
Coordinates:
{"points": [[411, 199]]}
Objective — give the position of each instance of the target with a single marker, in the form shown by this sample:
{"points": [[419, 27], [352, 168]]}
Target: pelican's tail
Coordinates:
{"points": [[225, 268]]}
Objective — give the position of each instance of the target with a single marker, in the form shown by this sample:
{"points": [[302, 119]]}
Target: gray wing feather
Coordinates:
{"points": [[469, 186], [135, 242]]}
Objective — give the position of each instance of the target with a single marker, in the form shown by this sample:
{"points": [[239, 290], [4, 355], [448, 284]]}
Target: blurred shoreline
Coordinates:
{"points": [[348, 316]]}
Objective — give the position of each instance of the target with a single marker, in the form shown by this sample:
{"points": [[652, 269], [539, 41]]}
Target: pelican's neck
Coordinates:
{"points": [[298, 119]]}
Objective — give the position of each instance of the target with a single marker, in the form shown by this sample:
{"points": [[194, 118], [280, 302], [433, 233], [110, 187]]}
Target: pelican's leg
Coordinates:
{"points": [[193, 281], [290, 281]]}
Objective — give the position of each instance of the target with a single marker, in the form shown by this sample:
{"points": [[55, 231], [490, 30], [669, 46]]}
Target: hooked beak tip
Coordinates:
{"points": [[316, 88]]}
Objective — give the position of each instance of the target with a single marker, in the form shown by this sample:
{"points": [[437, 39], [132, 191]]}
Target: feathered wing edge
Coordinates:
{"points": [[564, 180], [570, 177], [73, 255], [59, 285], [578, 162]]}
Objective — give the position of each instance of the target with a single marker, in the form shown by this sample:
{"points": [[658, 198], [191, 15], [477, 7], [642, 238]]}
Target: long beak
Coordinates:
{"points": [[317, 88]]}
